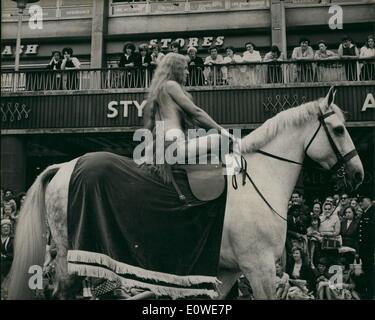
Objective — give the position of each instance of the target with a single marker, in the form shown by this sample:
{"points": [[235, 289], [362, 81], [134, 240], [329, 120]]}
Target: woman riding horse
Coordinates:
{"points": [[169, 105]]}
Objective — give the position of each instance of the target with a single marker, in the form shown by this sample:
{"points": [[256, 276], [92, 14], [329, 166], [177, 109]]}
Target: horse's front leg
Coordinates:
{"points": [[261, 272]]}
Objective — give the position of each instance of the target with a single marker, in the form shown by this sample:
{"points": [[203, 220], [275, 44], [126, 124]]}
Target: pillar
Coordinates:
{"points": [[99, 29], [278, 25], [13, 163]]}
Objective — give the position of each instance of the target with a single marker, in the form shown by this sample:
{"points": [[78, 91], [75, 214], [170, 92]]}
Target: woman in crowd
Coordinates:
{"points": [[349, 229], [274, 71], [316, 209], [321, 278], [55, 62], [128, 60], [299, 271], [232, 73], [70, 63], [349, 51], [366, 52], [213, 73], [143, 62], [314, 237], [156, 55], [195, 63], [6, 247], [327, 71], [55, 77], [251, 55], [302, 55]]}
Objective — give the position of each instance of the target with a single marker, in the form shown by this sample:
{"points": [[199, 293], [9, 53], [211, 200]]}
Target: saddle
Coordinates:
{"points": [[206, 181]]}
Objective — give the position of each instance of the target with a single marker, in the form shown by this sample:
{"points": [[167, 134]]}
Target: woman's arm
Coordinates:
{"points": [[196, 113], [76, 62]]}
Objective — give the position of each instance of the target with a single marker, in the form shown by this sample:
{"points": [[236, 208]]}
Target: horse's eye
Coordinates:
{"points": [[339, 130]]}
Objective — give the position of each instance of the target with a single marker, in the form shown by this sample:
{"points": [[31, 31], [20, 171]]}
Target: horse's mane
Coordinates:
{"points": [[292, 117]]}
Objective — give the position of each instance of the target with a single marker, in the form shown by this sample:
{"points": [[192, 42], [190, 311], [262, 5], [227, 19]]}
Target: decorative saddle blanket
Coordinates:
{"points": [[125, 224]]}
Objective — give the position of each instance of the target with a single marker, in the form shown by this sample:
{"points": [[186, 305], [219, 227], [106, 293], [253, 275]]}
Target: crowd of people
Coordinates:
{"points": [[329, 250], [10, 208], [228, 66]]}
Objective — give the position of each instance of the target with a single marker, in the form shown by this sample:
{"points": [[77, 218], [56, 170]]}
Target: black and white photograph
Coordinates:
{"points": [[209, 152]]}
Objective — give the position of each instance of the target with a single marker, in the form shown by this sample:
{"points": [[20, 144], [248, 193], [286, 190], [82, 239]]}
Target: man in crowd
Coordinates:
{"points": [[343, 203], [366, 240]]}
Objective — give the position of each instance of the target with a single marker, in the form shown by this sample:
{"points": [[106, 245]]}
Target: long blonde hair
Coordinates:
{"points": [[171, 67]]}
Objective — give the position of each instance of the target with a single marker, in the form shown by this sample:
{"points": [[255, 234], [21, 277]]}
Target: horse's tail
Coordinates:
{"points": [[30, 239]]}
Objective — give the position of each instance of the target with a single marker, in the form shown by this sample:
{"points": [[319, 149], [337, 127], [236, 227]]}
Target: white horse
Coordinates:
{"points": [[253, 235]]}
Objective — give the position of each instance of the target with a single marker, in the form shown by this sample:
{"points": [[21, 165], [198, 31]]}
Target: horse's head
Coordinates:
{"points": [[329, 143]]}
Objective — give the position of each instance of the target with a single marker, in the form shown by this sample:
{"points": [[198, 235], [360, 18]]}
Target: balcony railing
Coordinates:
{"points": [[222, 75], [123, 8]]}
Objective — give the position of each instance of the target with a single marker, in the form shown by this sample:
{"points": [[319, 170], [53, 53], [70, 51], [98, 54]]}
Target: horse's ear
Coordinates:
{"points": [[330, 98]]}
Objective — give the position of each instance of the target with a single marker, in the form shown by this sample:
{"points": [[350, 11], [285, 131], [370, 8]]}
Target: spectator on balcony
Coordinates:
{"points": [[55, 62], [156, 55], [143, 63], [327, 71], [70, 79], [55, 77], [176, 47], [212, 72], [303, 54], [195, 64], [275, 74], [252, 71], [366, 52], [232, 72], [127, 61], [349, 51], [128, 58]]}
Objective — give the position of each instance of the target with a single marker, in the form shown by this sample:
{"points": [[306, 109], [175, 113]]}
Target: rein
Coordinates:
{"points": [[339, 166]]}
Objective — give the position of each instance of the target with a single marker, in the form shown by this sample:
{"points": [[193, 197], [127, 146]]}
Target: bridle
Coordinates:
{"points": [[338, 167]]}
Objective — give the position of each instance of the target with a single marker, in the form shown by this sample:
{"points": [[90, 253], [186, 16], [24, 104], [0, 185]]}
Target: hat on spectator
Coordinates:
{"points": [[192, 49], [143, 47], [346, 38], [323, 261], [129, 45], [67, 50], [5, 222], [212, 48], [322, 41]]}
